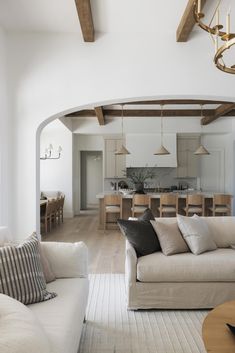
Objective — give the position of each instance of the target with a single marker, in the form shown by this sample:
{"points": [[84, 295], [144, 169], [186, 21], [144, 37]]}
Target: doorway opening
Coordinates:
{"points": [[91, 178]]}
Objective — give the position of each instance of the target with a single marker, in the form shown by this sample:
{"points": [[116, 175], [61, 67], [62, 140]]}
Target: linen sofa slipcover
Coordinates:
{"points": [[62, 317], [184, 281]]}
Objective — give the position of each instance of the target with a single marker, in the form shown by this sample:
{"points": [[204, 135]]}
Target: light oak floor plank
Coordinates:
{"points": [[106, 250]]}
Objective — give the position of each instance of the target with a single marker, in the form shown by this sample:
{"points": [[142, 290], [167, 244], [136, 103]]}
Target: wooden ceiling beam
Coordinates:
{"points": [[100, 115], [86, 20], [175, 102], [187, 22], [222, 110], [128, 113]]}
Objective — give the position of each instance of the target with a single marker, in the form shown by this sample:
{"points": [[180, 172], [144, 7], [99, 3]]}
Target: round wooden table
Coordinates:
{"points": [[216, 335]]}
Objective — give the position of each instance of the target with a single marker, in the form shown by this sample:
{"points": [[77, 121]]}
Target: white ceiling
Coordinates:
{"points": [[110, 16], [113, 16]]}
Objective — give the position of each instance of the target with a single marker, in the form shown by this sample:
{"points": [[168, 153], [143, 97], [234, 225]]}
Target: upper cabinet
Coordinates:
{"points": [[188, 163], [114, 165], [143, 146]]}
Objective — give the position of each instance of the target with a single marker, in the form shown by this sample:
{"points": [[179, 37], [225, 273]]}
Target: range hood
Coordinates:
{"points": [[143, 146]]}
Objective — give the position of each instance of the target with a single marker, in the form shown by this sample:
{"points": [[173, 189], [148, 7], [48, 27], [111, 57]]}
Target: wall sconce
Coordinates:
{"points": [[48, 153]]}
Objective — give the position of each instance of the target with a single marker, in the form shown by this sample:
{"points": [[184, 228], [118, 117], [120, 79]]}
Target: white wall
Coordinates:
{"points": [[5, 143], [55, 72], [221, 147], [58, 174]]}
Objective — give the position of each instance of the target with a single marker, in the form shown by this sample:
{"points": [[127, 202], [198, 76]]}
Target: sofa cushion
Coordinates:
{"points": [[62, 317], [67, 260], [214, 266], [5, 236], [147, 215], [141, 236], [20, 330], [196, 234], [170, 238], [222, 229], [21, 274]]}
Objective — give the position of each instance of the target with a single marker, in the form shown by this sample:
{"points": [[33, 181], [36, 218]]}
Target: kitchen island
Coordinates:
{"points": [[154, 202]]}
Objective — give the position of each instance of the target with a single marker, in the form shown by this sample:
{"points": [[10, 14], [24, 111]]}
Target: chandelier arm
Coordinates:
{"points": [[213, 30], [214, 13], [219, 56]]}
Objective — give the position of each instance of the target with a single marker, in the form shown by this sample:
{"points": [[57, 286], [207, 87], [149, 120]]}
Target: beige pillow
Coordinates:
{"points": [[46, 267], [170, 238], [196, 234]]}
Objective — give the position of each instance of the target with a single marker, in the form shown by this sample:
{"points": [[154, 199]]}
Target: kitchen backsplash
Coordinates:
{"points": [[164, 178]]}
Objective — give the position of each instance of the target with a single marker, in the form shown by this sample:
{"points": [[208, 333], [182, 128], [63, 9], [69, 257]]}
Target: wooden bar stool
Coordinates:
{"points": [[140, 203], [112, 205], [168, 204], [221, 205], [195, 203]]}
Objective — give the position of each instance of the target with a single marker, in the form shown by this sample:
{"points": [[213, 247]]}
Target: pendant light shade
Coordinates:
{"points": [[162, 151], [122, 150], [201, 150]]}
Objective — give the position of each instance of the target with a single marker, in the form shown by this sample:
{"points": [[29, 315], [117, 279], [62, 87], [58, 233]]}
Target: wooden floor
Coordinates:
{"points": [[106, 250]]}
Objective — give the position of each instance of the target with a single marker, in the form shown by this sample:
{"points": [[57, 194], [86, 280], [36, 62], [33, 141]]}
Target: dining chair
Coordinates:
{"points": [[112, 205], [140, 203], [46, 219], [195, 204], [168, 204], [221, 205]]}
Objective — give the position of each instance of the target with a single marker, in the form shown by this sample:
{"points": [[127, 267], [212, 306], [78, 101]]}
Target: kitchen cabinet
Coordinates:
{"points": [[115, 165], [188, 163], [143, 146]]}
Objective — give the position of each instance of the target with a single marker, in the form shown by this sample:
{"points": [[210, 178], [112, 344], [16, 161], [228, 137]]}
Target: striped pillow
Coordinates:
{"points": [[21, 274]]}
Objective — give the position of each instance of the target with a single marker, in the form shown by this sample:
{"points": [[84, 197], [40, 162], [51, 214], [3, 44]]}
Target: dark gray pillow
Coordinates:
{"points": [[147, 216], [140, 235]]}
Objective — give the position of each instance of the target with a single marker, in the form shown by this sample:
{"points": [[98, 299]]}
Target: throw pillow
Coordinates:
{"points": [[141, 236], [21, 274], [20, 330], [147, 215], [170, 238], [196, 234], [46, 267]]}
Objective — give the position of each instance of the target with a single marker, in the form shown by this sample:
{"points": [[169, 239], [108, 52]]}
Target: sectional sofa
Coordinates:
{"points": [[184, 281]]}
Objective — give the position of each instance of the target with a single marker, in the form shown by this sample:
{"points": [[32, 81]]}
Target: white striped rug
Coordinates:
{"points": [[110, 328]]}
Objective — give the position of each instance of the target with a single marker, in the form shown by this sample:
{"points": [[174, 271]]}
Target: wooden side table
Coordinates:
{"points": [[216, 335]]}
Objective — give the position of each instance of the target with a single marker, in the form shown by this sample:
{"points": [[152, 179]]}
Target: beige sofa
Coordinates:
{"points": [[184, 281], [61, 318]]}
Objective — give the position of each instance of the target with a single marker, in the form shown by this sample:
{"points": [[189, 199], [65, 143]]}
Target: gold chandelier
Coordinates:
{"points": [[217, 35]]}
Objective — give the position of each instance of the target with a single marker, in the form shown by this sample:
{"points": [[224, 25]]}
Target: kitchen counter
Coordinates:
{"points": [[154, 202], [156, 195]]}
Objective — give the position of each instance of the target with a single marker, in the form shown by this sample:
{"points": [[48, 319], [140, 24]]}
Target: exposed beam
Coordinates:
{"points": [[187, 22], [86, 20], [222, 110], [143, 113], [175, 102], [100, 115]]}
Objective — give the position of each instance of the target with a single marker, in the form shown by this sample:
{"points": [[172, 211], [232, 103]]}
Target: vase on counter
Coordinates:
{"points": [[139, 188]]}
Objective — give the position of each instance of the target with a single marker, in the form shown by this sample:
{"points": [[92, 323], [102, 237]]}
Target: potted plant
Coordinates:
{"points": [[139, 176]]}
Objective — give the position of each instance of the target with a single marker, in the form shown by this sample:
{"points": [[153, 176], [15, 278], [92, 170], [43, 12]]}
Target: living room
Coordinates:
{"points": [[104, 72]]}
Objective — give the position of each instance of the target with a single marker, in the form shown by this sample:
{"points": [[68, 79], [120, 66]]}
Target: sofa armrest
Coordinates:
{"points": [[130, 264], [67, 259]]}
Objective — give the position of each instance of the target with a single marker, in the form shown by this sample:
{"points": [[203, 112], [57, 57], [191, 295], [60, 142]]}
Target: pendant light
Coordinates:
{"points": [[162, 150], [122, 150], [201, 150]]}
